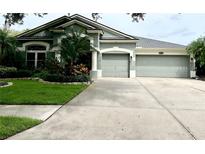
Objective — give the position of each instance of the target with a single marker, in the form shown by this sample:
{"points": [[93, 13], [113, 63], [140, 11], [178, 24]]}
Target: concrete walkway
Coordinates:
{"points": [[140, 108], [41, 112]]}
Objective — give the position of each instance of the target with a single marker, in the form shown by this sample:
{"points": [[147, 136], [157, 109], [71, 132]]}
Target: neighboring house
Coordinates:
{"points": [[114, 54]]}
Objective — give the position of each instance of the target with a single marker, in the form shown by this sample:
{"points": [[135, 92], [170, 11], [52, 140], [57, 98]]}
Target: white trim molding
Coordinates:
{"points": [[34, 43], [118, 41], [117, 50], [94, 31], [160, 51], [74, 21]]}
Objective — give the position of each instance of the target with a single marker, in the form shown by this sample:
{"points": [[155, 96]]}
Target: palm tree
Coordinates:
{"points": [[75, 44], [7, 48]]}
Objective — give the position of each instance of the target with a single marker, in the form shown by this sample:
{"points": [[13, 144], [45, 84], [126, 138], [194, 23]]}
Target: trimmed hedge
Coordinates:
{"points": [[7, 72], [62, 78], [12, 72]]}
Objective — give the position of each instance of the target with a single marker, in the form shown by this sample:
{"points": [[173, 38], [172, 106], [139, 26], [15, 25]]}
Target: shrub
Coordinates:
{"points": [[197, 49], [40, 74], [80, 78], [7, 72], [23, 73], [53, 66], [12, 72], [62, 78], [55, 78]]}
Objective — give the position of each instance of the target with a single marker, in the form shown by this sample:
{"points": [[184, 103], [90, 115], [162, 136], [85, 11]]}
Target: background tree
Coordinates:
{"points": [[16, 18], [197, 49], [73, 46], [135, 16], [7, 48]]}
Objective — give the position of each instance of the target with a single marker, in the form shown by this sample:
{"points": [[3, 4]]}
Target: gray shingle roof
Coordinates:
{"points": [[151, 43]]}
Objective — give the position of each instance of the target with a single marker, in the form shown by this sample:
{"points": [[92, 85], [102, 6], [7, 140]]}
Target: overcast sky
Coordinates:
{"points": [[176, 28]]}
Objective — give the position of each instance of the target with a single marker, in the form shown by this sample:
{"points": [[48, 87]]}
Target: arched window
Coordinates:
{"points": [[36, 47]]}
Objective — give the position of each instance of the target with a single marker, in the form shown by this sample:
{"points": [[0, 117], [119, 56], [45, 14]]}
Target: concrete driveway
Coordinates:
{"points": [[140, 108]]}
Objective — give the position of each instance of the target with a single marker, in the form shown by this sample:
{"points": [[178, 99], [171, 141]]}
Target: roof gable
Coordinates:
{"points": [[105, 28], [74, 21], [41, 28], [64, 21]]}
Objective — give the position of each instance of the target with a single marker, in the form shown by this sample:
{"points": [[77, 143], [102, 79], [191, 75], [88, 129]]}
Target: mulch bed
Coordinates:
{"points": [[3, 84]]}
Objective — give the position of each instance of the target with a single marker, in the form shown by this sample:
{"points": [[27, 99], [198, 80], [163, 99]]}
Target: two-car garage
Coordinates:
{"points": [[117, 65]]}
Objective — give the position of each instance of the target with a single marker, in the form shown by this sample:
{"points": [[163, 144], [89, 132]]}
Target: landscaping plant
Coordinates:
{"points": [[197, 49], [72, 47]]}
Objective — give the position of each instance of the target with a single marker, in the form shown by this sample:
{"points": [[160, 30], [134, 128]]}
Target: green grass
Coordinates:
{"points": [[12, 125], [30, 92]]}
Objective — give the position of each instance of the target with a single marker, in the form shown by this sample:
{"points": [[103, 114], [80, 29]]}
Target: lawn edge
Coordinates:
{"points": [[40, 122], [53, 112]]}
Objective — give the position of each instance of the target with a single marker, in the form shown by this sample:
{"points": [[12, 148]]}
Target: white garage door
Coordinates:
{"points": [[115, 65], [162, 66]]}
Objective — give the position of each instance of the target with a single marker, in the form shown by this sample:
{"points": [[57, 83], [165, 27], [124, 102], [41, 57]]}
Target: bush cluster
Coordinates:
{"points": [[62, 78], [12, 72]]}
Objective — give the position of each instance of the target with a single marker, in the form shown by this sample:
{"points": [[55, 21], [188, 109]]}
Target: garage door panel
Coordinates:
{"points": [[115, 65], [162, 66]]}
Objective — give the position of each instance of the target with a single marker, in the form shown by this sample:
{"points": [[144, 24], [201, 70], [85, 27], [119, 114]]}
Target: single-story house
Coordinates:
{"points": [[114, 53]]}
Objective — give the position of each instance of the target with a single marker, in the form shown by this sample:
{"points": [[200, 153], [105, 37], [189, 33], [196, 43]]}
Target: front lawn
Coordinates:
{"points": [[12, 125], [30, 92]]}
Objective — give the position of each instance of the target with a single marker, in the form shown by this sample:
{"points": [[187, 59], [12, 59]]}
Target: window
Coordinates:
{"points": [[36, 55], [31, 60], [41, 59]]}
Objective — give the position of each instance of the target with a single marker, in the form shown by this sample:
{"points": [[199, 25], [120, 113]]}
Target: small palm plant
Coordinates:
{"points": [[7, 48], [75, 43]]}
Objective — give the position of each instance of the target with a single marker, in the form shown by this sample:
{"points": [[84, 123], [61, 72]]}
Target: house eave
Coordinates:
{"points": [[98, 31], [21, 39], [117, 41]]}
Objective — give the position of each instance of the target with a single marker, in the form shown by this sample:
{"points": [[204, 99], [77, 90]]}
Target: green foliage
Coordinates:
{"points": [[7, 48], [12, 72], [197, 49], [10, 125], [53, 77], [9, 56], [23, 73], [6, 72], [17, 18], [75, 44], [52, 65], [13, 32], [80, 78]]}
